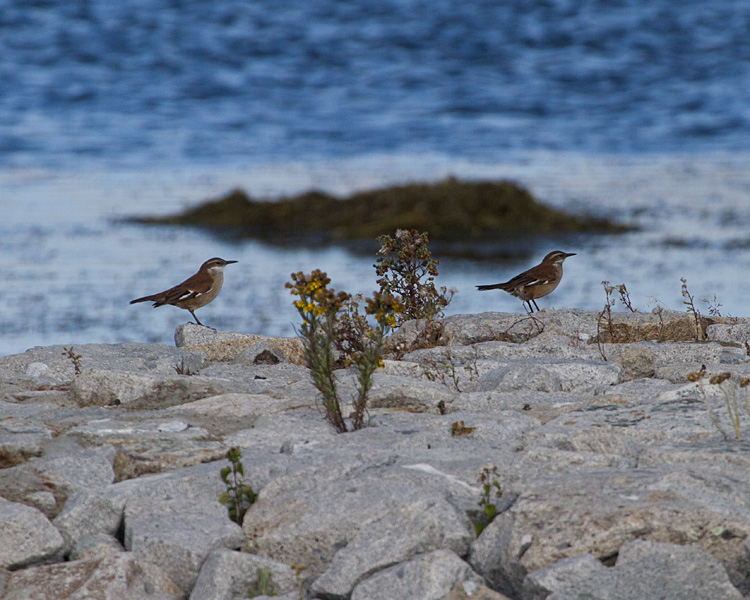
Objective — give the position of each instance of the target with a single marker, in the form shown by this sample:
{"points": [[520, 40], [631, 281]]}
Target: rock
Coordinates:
{"points": [[637, 363], [260, 353], [28, 537], [226, 575], [730, 333], [597, 511], [292, 520], [429, 576], [174, 520], [549, 376], [470, 590], [463, 330], [661, 325], [392, 391], [538, 585], [644, 571], [226, 346], [54, 365], [398, 536], [591, 456], [88, 513], [115, 388], [95, 545], [113, 577], [20, 440]]}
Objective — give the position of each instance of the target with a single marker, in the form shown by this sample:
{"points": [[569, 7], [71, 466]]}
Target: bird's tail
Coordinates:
{"points": [[495, 286], [154, 298]]}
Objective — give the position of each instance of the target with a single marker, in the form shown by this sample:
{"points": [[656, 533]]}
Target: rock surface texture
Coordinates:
{"points": [[620, 478]]}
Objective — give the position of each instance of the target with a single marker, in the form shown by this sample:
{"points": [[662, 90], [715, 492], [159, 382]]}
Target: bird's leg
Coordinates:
{"points": [[535, 304], [528, 309], [196, 318]]}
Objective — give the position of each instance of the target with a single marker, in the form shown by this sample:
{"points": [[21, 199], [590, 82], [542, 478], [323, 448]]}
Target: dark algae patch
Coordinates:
{"points": [[450, 210]]}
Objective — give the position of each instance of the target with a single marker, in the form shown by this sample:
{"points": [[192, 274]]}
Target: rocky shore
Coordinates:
{"points": [[616, 481]]}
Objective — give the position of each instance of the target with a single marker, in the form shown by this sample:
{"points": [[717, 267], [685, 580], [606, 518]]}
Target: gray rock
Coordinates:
{"points": [[28, 537], [88, 513], [52, 364], [113, 577], [538, 585], [733, 333], [428, 576], [396, 537], [260, 353], [597, 511], [585, 469], [95, 545], [226, 575], [549, 376], [174, 520], [78, 467], [21, 439], [292, 520], [150, 445], [227, 346], [637, 363], [391, 391], [463, 330], [115, 388], [647, 570], [678, 373]]}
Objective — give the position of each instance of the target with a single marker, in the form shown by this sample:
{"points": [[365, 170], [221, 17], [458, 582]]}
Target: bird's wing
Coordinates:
{"points": [[190, 288], [539, 275]]}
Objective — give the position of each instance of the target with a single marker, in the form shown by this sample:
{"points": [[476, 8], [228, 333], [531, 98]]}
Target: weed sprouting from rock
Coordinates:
{"points": [[735, 392], [319, 305], [239, 495], [297, 568], [625, 297], [264, 585], [689, 302], [332, 321], [69, 352], [459, 428], [490, 488], [183, 369], [407, 270]]}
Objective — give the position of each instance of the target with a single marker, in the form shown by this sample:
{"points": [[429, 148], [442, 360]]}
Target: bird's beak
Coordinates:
{"points": [[566, 256], [229, 262]]}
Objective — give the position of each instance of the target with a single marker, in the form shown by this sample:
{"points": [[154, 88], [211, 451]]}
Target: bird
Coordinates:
{"points": [[538, 281], [194, 292]]}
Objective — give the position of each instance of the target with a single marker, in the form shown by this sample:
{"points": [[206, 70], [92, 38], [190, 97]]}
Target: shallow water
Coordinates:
{"points": [[69, 276]]}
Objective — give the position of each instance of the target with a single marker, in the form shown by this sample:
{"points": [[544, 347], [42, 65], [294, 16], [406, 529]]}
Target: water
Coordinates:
{"points": [[635, 109]]}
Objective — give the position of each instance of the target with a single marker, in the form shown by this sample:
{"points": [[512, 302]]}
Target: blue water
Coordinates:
{"points": [[217, 82], [636, 109]]}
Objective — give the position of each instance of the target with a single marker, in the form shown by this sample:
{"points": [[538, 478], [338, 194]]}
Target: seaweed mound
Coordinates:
{"points": [[450, 210]]}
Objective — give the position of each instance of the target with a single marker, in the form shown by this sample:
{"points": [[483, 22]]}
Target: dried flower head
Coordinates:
{"points": [[718, 379]]}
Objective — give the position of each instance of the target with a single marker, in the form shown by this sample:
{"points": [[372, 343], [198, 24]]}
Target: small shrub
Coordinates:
{"points": [[182, 369], [264, 586], [689, 302], [333, 321], [735, 394], [459, 428], [319, 306], [407, 270], [239, 495], [69, 352], [490, 487]]}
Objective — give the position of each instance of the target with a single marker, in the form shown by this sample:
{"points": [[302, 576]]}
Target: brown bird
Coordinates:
{"points": [[194, 292], [536, 282]]}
